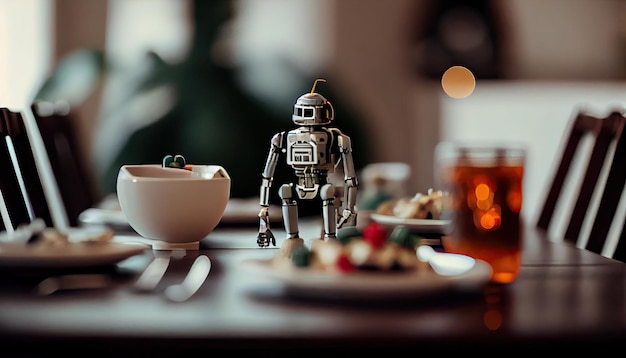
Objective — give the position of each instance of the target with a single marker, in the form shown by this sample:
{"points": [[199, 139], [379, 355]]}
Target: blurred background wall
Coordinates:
{"points": [[383, 61]]}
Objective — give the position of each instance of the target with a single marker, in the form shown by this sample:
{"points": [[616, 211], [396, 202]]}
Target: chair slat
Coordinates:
{"points": [[611, 195], [16, 207], [620, 250], [59, 137], [606, 135], [579, 127]]}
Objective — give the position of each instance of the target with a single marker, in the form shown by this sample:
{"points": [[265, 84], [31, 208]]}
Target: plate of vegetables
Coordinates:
{"points": [[372, 264]]}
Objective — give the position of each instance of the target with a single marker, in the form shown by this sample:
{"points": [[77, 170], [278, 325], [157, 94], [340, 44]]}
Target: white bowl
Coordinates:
{"points": [[174, 207]]}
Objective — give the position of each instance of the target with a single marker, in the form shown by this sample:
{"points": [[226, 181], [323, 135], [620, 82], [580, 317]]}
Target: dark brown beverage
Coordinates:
{"points": [[485, 192]]}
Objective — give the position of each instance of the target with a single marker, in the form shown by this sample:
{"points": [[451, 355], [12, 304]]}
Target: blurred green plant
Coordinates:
{"points": [[212, 119]]}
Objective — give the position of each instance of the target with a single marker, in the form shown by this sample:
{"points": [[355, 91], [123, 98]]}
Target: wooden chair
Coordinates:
{"points": [[608, 150]]}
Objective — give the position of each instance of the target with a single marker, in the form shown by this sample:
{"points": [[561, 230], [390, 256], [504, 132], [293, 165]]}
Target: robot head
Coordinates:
{"points": [[312, 109]]}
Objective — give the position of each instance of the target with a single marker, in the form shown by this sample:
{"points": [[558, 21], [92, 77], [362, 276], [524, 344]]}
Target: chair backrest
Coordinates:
{"points": [[607, 152], [20, 183], [27, 183], [13, 207], [58, 133]]}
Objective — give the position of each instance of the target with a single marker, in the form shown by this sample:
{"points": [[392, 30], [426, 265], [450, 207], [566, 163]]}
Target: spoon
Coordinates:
{"points": [[193, 281], [445, 264], [153, 274]]}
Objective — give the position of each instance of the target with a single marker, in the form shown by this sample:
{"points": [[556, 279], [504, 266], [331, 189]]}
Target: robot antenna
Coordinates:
{"points": [[315, 83]]}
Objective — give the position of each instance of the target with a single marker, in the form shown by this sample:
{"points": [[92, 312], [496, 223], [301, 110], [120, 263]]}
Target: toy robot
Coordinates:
{"points": [[313, 151]]}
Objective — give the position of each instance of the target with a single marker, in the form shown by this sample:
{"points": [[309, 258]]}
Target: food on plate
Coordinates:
{"points": [[37, 234], [53, 237], [374, 248], [420, 206]]}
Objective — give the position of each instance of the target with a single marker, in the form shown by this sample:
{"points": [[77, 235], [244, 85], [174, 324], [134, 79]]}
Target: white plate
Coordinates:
{"points": [[423, 225], [368, 285], [78, 254]]}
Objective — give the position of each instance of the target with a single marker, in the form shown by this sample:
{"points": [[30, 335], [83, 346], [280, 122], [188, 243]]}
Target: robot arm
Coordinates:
{"points": [[351, 184], [270, 167], [266, 236]]}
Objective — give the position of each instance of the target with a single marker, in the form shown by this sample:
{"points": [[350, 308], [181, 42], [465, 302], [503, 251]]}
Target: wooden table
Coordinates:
{"points": [[564, 297]]}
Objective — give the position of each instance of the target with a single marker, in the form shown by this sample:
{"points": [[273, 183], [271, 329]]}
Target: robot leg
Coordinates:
{"points": [[290, 211], [329, 211]]}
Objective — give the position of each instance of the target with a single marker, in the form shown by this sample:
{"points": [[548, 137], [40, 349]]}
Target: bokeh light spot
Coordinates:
{"points": [[458, 82], [484, 204], [491, 219], [487, 221], [482, 192], [514, 200], [492, 319]]}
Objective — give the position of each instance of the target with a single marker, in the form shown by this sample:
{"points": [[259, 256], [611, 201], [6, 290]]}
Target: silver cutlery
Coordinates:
{"points": [[445, 264], [196, 276], [73, 282], [153, 274], [147, 281]]}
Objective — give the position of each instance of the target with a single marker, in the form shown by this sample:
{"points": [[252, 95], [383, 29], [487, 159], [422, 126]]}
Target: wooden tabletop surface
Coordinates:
{"points": [[564, 296]]}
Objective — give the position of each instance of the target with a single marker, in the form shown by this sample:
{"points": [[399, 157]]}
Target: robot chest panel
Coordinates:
{"points": [[308, 148]]}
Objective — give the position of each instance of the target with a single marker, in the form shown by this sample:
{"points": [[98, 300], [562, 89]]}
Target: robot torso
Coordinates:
{"points": [[310, 152]]}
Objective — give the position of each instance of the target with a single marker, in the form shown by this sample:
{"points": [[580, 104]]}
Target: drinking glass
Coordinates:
{"points": [[484, 187]]}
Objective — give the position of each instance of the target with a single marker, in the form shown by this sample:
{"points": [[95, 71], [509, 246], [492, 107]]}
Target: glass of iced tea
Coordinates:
{"points": [[484, 186]]}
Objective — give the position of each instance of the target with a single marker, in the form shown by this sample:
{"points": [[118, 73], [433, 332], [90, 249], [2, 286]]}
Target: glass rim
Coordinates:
{"points": [[482, 147], [484, 151]]}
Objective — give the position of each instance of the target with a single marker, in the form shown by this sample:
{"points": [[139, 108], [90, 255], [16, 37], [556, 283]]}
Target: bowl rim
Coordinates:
{"points": [[198, 172]]}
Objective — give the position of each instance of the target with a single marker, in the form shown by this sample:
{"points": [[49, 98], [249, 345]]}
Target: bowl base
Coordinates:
{"points": [[162, 245]]}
